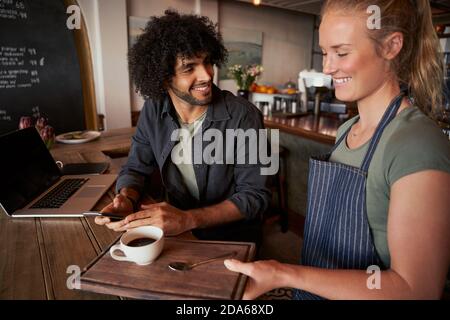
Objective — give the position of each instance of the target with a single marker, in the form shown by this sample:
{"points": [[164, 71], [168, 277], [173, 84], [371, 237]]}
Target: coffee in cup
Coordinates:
{"points": [[141, 245], [140, 242]]}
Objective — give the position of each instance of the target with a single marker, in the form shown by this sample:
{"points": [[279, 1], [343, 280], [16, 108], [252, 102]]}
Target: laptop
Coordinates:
{"points": [[32, 185]]}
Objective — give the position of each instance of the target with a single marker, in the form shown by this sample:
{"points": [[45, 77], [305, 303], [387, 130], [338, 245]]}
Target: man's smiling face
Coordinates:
{"points": [[192, 82]]}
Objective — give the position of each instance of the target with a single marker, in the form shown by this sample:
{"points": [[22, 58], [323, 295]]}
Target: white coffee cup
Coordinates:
{"points": [[141, 255]]}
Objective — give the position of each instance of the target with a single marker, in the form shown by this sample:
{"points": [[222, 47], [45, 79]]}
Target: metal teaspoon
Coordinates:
{"points": [[183, 266]]}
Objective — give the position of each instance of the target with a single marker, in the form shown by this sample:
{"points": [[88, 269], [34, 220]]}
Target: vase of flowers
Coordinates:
{"points": [[46, 131], [245, 76]]}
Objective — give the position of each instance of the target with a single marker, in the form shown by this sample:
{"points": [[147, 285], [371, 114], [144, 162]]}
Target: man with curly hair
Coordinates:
{"points": [[171, 65]]}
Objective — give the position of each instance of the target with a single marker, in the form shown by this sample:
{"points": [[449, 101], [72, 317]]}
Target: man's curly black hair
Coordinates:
{"points": [[152, 59]]}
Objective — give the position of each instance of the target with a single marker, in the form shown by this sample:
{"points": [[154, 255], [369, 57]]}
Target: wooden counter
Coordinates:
{"points": [[322, 128]]}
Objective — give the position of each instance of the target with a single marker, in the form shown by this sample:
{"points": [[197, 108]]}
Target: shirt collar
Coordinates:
{"points": [[217, 110], [167, 106]]}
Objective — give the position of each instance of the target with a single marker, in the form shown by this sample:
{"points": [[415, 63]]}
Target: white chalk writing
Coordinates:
{"points": [[19, 67]]}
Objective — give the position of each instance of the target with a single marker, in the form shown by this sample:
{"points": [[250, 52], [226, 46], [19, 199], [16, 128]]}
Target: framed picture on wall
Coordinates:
{"points": [[244, 48], [136, 26]]}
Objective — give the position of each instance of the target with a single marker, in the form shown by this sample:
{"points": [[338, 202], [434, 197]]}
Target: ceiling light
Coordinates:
{"points": [[256, 2]]}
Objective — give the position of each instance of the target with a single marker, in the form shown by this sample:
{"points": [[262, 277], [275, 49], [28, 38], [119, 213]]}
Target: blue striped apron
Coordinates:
{"points": [[337, 233]]}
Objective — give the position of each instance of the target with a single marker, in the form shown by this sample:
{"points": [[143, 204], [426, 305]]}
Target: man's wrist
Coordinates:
{"points": [[133, 202], [194, 222], [132, 196]]}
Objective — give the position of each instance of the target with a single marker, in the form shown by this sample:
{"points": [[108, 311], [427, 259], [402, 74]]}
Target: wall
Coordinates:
{"points": [[146, 8], [287, 39], [287, 42], [89, 11], [106, 21]]}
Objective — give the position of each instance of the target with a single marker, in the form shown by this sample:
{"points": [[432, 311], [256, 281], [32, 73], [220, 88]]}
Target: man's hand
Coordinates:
{"points": [[120, 205], [171, 220]]}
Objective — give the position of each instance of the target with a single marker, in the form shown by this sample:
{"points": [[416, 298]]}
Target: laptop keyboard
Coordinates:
{"points": [[59, 195]]}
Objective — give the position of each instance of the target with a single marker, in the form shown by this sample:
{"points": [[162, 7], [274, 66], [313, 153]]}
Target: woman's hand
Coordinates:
{"points": [[120, 205], [263, 276]]}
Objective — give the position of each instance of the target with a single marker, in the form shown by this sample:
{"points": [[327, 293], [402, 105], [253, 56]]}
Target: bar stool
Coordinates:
{"points": [[278, 185]]}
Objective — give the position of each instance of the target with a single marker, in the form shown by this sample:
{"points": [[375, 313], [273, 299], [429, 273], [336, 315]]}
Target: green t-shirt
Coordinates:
{"points": [[410, 143], [186, 168]]}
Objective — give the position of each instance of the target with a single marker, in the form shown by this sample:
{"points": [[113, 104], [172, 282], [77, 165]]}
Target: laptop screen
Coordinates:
{"points": [[26, 168]]}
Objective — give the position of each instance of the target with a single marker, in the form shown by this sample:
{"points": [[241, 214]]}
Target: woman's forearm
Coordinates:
{"points": [[350, 284]]}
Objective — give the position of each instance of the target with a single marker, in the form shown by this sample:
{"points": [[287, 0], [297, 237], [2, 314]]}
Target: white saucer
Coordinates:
{"points": [[75, 137]]}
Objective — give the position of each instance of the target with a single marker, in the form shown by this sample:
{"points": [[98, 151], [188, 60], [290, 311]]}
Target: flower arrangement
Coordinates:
{"points": [[46, 131], [245, 76]]}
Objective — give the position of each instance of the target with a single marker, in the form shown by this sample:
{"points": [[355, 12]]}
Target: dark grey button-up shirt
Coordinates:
{"points": [[152, 145]]}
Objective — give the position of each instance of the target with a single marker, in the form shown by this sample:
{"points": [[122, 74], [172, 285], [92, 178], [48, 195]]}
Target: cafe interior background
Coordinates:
{"points": [[282, 37]]}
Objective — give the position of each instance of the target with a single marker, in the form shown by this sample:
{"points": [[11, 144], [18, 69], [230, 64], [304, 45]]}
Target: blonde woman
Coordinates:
{"points": [[380, 202]]}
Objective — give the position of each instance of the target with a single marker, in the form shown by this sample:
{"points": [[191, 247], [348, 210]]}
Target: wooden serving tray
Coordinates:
{"points": [[156, 281]]}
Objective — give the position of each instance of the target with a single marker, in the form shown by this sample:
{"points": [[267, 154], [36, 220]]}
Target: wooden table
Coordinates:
{"points": [[39, 256], [112, 143], [36, 254]]}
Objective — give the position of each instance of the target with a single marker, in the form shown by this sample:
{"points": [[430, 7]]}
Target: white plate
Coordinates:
{"points": [[75, 137]]}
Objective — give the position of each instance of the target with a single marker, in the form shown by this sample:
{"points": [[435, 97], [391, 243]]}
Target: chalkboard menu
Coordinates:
{"points": [[39, 66]]}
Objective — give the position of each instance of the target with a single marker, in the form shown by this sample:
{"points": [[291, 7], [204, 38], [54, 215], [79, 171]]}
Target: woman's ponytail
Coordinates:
{"points": [[426, 69]]}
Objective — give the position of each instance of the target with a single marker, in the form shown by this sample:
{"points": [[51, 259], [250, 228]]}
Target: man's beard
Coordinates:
{"points": [[189, 98]]}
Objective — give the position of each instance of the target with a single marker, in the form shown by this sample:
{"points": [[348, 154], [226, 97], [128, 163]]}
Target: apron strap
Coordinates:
{"points": [[389, 114]]}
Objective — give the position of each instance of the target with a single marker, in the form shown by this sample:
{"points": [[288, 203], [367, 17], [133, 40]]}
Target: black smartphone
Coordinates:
{"points": [[111, 216]]}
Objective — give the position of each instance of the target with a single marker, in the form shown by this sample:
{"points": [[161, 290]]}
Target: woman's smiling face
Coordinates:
{"points": [[350, 57]]}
